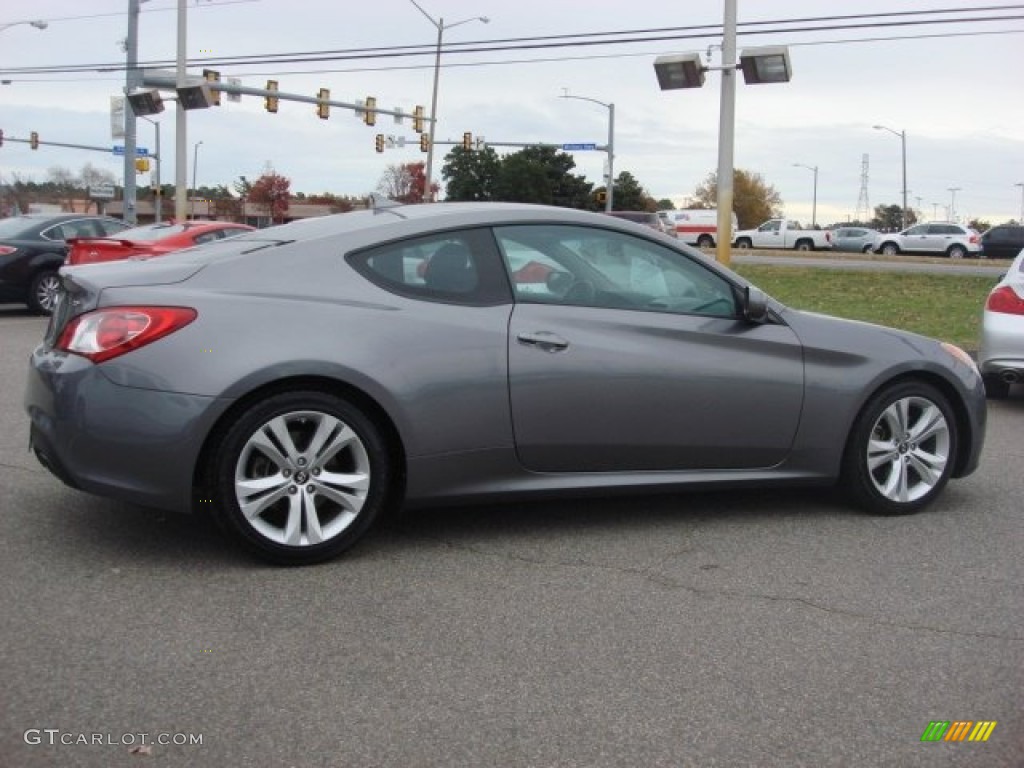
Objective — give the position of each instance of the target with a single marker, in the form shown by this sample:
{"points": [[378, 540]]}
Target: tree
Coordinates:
{"points": [[405, 183], [471, 174], [271, 191], [978, 225], [66, 186], [666, 205], [630, 196], [541, 175], [753, 199], [889, 218]]}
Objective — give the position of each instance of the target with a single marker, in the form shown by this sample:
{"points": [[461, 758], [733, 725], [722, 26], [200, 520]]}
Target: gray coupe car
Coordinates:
{"points": [[299, 381]]}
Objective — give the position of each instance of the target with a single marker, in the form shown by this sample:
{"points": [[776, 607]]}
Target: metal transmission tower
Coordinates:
{"points": [[863, 213]]}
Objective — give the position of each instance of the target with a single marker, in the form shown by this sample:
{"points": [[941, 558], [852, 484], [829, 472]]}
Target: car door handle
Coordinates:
{"points": [[549, 342]]}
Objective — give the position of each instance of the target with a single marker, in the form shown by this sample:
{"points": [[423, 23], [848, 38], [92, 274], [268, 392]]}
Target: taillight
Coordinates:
{"points": [[6, 250], [1005, 300], [108, 333], [974, 239]]}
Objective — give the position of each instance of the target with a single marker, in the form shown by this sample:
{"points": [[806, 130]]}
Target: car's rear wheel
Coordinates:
{"points": [[743, 243], [901, 450], [705, 241], [43, 292], [890, 249], [956, 251], [300, 477], [804, 245]]}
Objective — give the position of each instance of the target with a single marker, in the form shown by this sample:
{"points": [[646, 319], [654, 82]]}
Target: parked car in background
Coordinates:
{"points": [[343, 382], [648, 218], [783, 234], [936, 237], [1001, 355], [150, 240], [696, 226], [854, 239], [1004, 241], [33, 248]]}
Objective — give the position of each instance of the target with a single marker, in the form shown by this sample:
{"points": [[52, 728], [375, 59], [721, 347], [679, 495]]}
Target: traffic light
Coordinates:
{"points": [[467, 140], [424, 142], [33, 140], [270, 102], [417, 119], [370, 113], [141, 164], [323, 109], [602, 197], [213, 76], [380, 142]]}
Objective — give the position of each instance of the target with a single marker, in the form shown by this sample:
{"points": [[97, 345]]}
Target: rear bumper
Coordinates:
{"points": [[136, 445]]}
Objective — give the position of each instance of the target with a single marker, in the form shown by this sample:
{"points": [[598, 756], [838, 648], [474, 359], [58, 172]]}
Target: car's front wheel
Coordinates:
{"points": [[705, 241], [743, 243], [43, 292], [300, 477], [901, 450], [890, 249]]}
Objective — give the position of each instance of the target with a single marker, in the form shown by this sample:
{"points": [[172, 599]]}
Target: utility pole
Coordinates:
{"points": [[131, 79]]}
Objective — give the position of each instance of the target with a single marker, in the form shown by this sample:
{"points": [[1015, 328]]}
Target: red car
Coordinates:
{"points": [[150, 240]]}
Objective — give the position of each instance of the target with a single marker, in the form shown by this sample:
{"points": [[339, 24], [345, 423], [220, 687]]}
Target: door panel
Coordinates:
{"points": [[635, 390]]}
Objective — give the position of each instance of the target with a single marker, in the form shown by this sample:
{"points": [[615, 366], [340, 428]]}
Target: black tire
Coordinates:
{"points": [[743, 243], [956, 252], [804, 245], [297, 503], [889, 249], [900, 451], [42, 292], [867, 249], [995, 387], [705, 241]]}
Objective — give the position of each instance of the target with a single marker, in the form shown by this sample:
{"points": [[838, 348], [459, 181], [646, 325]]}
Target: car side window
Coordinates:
{"points": [[590, 267], [111, 227], [459, 267], [207, 237]]}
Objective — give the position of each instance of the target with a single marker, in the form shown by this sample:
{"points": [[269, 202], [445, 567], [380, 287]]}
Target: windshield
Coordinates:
{"points": [[16, 226]]}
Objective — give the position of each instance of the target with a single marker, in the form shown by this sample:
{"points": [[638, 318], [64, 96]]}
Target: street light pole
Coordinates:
{"points": [[610, 178], [441, 27], [131, 82], [195, 164], [726, 135], [1021, 185], [903, 141], [158, 197], [952, 202], [814, 205]]}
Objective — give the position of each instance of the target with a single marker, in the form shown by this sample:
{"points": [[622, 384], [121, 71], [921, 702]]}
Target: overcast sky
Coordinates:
{"points": [[955, 88]]}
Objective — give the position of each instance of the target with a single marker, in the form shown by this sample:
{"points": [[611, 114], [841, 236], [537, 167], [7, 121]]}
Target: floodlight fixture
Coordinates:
{"points": [[195, 96], [146, 102], [679, 71], [767, 64]]}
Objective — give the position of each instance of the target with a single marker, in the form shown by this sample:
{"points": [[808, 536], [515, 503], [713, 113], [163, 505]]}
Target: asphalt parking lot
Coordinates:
{"points": [[719, 629]]}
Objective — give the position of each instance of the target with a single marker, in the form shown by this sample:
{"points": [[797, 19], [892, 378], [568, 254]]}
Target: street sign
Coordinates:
{"points": [[235, 81], [578, 147], [118, 149], [101, 192]]}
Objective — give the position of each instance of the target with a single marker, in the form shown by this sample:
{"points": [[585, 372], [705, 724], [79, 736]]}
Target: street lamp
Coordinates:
{"points": [[610, 179], [952, 202], [441, 27], [37, 24], [1021, 185], [814, 205], [195, 189], [903, 142]]}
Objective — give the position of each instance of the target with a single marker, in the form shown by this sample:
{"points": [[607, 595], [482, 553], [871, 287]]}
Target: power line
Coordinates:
{"points": [[536, 43]]}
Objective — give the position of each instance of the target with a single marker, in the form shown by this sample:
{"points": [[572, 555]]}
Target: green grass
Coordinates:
{"points": [[946, 307]]}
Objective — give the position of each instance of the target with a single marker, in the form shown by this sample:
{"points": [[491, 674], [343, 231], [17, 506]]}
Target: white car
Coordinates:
{"points": [[1001, 358], [936, 237]]}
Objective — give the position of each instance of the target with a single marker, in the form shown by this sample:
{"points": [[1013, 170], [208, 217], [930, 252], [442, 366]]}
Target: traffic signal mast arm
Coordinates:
{"points": [[169, 83], [107, 149]]}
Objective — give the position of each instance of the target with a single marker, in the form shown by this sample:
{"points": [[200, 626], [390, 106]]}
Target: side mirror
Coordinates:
{"points": [[755, 305]]}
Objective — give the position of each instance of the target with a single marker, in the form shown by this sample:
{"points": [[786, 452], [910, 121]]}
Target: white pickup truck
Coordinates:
{"points": [[782, 234]]}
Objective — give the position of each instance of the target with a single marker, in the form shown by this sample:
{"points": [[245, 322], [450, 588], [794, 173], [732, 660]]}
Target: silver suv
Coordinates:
{"points": [[936, 237]]}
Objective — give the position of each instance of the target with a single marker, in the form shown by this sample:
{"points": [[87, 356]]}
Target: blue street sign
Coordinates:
{"points": [[118, 149], [572, 147]]}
